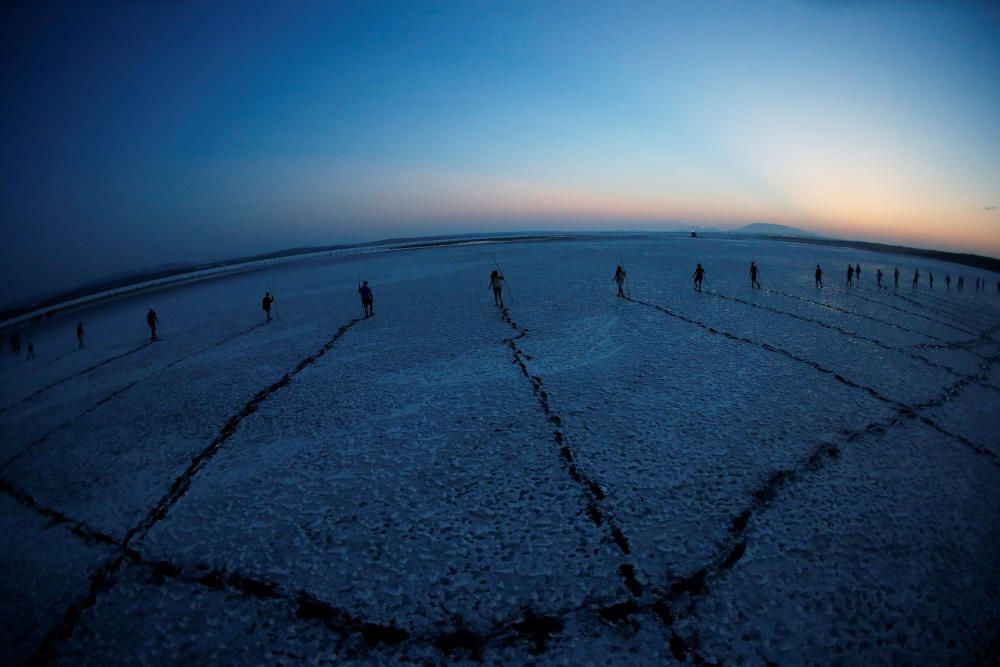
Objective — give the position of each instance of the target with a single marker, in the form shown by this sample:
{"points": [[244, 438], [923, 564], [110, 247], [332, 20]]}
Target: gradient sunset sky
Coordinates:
{"points": [[139, 134]]}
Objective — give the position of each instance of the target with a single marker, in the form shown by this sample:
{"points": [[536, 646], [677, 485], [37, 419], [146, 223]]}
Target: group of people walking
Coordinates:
{"points": [[496, 285], [854, 279]]}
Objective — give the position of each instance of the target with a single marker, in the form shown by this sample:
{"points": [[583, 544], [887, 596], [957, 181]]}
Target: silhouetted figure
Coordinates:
{"points": [[977, 284], [754, 271], [930, 280], [496, 284], [961, 283], [857, 275], [266, 305], [878, 278], [916, 277], [31, 349], [850, 275], [947, 281], [367, 299], [895, 277], [819, 276], [698, 275], [620, 277], [79, 335], [152, 320]]}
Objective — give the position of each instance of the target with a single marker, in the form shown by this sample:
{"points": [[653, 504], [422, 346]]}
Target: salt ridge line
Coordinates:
{"points": [[529, 625], [937, 298], [953, 307], [533, 626], [838, 329], [964, 316], [987, 385], [300, 367], [29, 369], [76, 527], [691, 586], [871, 391], [592, 490], [968, 318], [970, 345], [533, 620], [684, 592], [121, 390], [874, 393], [303, 607], [851, 312], [694, 585], [969, 315], [102, 580], [75, 375], [950, 325]]}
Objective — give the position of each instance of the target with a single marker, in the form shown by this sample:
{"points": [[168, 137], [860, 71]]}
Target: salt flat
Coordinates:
{"points": [[791, 475]]}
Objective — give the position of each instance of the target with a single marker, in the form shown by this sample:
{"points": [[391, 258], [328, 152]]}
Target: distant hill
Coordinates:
{"points": [[768, 229]]}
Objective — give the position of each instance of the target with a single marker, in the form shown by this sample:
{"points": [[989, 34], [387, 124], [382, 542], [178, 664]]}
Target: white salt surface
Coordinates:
{"points": [[789, 474]]}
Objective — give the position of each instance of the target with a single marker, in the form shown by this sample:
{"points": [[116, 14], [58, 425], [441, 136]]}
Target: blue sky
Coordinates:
{"points": [[138, 134]]}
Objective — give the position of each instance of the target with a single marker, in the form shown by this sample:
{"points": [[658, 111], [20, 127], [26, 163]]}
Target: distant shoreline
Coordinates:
{"points": [[968, 259], [135, 283]]}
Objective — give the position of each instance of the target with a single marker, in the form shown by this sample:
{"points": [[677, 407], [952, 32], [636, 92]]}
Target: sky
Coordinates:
{"points": [[139, 134]]}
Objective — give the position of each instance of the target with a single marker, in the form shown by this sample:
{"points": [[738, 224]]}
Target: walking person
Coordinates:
{"points": [[79, 335], [916, 278], [947, 281], [878, 278], [754, 271], [367, 299], [850, 276], [857, 275], [496, 284], [698, 275], [930, 280], [895, 277], [961, 283], [620, 277], [31, 348], [266, 305], [152, 320], [819, 277]]}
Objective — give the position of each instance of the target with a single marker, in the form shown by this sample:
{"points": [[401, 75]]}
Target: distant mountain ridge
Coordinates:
{"points": [[769, 229]]}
